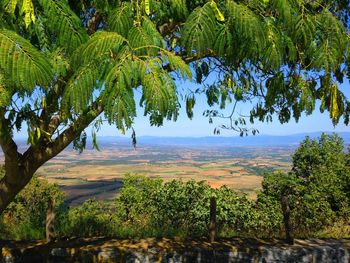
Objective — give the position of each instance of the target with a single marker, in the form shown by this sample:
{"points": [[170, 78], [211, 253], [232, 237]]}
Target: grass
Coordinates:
{"points": [[341, 229]]}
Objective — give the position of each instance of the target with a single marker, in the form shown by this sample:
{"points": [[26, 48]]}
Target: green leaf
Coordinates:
{"points": [[94, 142], [5, 96], [147, 8], [334, 105], [28, 10], [121, 19], [10, 6], [80, 87], [177, 64], [198, 34], [190, 102], [219, 16], [225, 43], [101, 46], [119, 96], [64, 24], [24, 66], [145, 39]]}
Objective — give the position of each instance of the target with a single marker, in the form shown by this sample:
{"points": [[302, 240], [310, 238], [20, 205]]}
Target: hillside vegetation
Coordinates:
{"points": [[317, 190]]}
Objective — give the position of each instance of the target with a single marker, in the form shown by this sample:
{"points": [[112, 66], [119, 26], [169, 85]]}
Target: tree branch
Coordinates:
{"points": [[168, 27], [9, 147], [42, 154]]}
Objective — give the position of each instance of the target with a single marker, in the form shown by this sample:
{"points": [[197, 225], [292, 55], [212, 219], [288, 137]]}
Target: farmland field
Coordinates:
{"points": [[238, 163], [99, 174]]}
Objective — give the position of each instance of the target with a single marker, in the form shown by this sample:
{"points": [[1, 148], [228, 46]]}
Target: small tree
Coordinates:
{"points": [[322, 165], [316, 189], [64, 63]]}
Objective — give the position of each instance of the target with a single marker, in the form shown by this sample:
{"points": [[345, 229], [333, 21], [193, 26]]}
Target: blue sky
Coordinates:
{"points": [[199, 125]]}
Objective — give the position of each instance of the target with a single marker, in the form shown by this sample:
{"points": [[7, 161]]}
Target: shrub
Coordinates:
{"points": [[317, 186], [92, 218], [183, 205], [25, 217], [135, 203], [178, 207]]}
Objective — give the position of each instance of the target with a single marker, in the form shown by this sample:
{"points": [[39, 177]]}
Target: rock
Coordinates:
{"points": [[59, 252], [108, 255], [308, 251]]}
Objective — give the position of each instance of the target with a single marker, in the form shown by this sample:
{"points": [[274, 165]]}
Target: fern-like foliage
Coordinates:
{"points": [[225, 43], [178, 8], [80, 88], [121, 19], [158, 89], [64, 24], [26, 9], [304, 31], [248, 28], [159, 93], [60, 63], [198, 35], [42, 34], [119, 96], [5, 94], [328, 48], [176, 63], [102, 45], [90, 62], [145, 39], [279, 47], [23, 65]]}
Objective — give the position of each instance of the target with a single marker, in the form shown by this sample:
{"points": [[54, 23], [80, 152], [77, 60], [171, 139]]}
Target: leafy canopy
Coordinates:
{"points": [[63, 63]]}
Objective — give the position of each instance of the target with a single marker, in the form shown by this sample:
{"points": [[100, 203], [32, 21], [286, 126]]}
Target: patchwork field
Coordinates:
{"points": [[99, 174]]}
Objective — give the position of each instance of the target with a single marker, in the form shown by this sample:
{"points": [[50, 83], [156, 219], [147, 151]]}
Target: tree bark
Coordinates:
{"points": [[212, 224], [18, 173], [50, 222], [286, 218], [20, 168]]}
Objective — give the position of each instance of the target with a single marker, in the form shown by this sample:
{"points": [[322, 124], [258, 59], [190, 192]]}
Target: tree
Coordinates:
{"points": [[64, 64], [317, 187], [321, 165]]}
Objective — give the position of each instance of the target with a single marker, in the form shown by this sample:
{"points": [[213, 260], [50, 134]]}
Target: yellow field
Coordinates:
{"points": [[99, 174]]}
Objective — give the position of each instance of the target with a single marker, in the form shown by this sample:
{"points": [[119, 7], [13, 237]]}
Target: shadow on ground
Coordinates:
{"points": [[99, 190]]}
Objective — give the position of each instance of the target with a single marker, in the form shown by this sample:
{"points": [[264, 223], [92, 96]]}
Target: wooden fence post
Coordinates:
{"points": [[212, 225], [50, 221], [286, 216]]}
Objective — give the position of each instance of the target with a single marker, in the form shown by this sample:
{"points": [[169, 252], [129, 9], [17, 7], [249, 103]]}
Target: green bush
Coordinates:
{"points": [[135, 204], [92, 218], [235, 212], [317, 186], [310, 210], [178, 207], [25, 217], [184, 206], [323, 166]]}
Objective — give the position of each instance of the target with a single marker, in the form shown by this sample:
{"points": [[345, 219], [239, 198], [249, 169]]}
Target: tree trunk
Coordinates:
{"points": [[20, 168], [11, 184]]}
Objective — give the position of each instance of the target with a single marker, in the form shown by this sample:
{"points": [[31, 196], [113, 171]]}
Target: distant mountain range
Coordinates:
{"points": [[257, 140], [219, 141]]}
